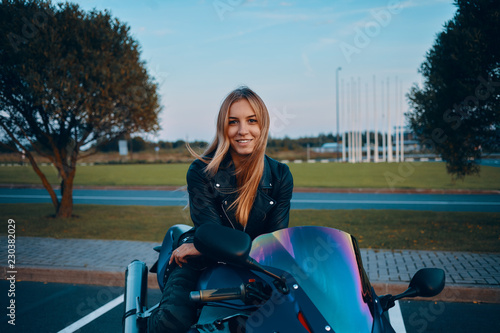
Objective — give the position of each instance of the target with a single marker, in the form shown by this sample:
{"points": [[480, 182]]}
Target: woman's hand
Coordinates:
{"points": [[183, 253]]}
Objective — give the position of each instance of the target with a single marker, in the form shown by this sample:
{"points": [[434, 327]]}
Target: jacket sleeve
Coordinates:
{"points": [[202, 197], [280, 215]]}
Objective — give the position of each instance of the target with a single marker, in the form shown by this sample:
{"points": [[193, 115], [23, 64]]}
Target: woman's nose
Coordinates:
{"points": [[243, 129]]}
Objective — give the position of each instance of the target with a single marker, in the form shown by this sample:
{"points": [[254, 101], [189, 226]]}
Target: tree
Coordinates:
{"points": [[456, 112], [69, 78]]}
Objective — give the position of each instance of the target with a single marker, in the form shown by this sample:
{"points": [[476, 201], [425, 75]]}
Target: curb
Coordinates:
{"points": [[392, 190], [451, 293], [296, 189], [74, 276]]}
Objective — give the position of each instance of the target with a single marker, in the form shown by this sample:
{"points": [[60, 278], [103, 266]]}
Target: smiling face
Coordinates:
{"points": [[243, 130]]}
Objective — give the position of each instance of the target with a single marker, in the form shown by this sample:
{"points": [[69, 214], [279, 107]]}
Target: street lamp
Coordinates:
{"points": [[337, 93]]}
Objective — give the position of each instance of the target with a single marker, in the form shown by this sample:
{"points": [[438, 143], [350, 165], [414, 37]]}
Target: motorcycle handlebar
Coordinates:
{"points": [[223, 294]]}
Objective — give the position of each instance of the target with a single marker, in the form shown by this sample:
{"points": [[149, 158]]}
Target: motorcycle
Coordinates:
{"points": [[300, 279]]}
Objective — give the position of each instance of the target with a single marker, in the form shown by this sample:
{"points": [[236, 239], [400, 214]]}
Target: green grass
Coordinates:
{"points": [[384, 229], [95, 221], [423, 175], [102, 175]]}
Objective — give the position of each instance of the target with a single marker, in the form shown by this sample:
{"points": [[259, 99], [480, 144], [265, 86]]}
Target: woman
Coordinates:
{"points": [[234, 184]]}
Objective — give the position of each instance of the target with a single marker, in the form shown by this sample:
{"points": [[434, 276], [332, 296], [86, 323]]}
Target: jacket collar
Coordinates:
{"points": [[225, 176], [267, 177]]}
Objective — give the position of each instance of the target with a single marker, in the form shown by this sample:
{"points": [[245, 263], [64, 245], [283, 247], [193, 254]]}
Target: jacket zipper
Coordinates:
{"points": [[227, 217], [222, 206]]}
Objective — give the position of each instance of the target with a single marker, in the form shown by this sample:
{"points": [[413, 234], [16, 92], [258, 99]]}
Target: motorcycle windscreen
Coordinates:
{"points": [[327, 265]]}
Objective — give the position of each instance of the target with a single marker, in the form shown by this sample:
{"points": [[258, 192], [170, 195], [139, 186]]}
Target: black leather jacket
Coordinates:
{"points": [[210, 197]]}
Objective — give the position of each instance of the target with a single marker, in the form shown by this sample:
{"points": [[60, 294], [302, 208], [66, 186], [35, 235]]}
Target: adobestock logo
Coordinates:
{"points": [[30, 29], [279, 119], [223, 6], [371, 29]]}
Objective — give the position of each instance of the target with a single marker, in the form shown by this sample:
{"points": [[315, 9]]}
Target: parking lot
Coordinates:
{"points": [[51, 307]]}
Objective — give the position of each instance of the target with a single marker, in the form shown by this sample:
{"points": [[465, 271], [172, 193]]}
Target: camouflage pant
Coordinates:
{"points": [[176, 313]]}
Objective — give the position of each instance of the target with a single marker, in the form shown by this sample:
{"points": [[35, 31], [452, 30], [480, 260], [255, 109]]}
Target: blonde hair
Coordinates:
{"points": [[251, 168]]}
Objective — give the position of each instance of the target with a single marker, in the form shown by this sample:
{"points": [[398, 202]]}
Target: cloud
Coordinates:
{"points": [[320, 45], [311, 49], [240, 33], [162, 32], [156, 32], [326, 41]]}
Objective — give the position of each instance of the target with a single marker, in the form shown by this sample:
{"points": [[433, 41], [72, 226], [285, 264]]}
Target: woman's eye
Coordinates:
{"points": [[232, 122], [252, 120]]}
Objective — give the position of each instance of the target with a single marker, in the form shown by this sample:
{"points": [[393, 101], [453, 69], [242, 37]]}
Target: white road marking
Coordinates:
{"points": [[93, 315], [396, 318], [373, 202], [94, 197], [392, 202]]}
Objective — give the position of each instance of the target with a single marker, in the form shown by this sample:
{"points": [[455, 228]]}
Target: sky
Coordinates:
{"points": [[289, 53]]}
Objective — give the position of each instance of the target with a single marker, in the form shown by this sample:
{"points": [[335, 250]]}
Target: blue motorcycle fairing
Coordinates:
{"points": [[326, 263]]}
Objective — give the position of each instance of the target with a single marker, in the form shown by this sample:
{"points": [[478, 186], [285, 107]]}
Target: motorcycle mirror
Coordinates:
{"points": [[427, 282], [222, 243]]}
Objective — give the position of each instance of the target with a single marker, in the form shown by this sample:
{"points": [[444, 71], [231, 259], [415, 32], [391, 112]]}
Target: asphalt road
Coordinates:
{"points": [[49, 307], [408, 201]]}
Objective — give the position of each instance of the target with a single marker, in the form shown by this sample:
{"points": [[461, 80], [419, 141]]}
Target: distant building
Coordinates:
{"points": [[410, 146], [329, 147]]}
